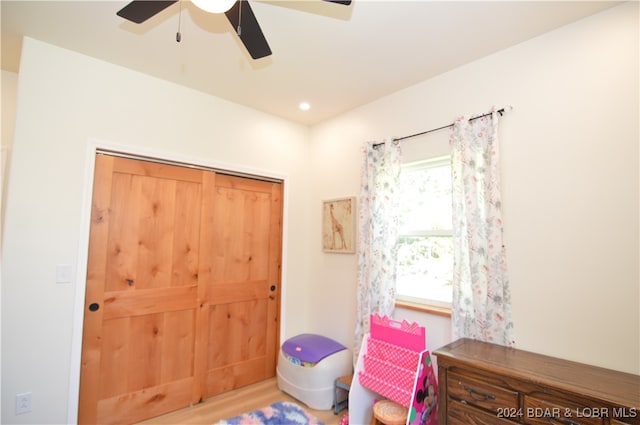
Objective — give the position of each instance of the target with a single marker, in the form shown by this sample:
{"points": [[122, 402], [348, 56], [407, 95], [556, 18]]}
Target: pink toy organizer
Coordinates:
{"points": [[394, 364]]}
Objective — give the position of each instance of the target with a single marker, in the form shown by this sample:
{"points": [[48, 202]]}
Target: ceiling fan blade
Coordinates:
{"points": [[345, 2], [248, 29], [139, 11]]}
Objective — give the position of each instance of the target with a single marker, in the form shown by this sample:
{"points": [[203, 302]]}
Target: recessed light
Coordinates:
{"points": [[304, 106]]}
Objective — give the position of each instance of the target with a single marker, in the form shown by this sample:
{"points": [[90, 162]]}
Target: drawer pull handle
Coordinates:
{"points": [[566, 421], [479, 395]]}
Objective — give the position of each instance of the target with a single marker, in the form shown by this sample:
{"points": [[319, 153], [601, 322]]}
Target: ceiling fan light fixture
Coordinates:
{"points": [[214, 6]]}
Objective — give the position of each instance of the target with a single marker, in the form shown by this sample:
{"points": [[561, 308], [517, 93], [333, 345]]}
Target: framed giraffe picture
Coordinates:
{"points": [[339, 225]]}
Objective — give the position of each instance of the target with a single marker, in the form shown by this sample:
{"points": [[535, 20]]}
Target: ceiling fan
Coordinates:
{"points": [[240, 15]]}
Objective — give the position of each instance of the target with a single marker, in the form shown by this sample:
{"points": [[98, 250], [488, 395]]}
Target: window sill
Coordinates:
{"points": [[425, 308]]}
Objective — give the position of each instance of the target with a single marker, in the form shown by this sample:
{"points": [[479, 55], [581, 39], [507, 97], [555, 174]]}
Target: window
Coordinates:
{"points": [[425, 242]]}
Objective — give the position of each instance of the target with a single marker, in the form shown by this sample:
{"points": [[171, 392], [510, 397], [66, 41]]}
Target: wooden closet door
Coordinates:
{"points": [[154, 253], [141, 299], [243, 299]]}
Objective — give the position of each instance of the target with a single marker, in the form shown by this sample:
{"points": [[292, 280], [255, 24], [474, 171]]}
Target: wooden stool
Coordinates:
{"points": [[387, 412], [342, 383]]}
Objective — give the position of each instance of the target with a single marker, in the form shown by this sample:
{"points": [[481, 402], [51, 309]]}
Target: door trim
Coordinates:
{"points": [[95, 146], [225, 171]]}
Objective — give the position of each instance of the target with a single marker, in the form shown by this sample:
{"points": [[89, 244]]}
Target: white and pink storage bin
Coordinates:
{"points": [[308, 366]]}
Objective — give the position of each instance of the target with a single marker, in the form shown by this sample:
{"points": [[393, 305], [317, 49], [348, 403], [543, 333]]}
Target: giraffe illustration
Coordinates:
{"points": [[336, 227]]}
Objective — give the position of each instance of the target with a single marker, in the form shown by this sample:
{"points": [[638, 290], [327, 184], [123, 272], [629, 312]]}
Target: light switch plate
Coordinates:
{"points": [[63, 273]]}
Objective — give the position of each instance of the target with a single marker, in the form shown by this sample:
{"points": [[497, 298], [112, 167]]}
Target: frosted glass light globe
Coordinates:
{"points": [[214, 6]]}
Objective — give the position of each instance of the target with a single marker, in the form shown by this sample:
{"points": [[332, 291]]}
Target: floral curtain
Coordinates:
{"points": [[481, 307], [377, 234]]}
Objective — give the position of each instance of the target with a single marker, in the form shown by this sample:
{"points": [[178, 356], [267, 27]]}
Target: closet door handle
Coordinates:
{"points": [[273, 288], [94, 307]]}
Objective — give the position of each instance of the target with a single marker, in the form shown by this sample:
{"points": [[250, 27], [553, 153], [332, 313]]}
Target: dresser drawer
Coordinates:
{"points": [[630, 419], [538, 411], [463, 414], [625, 416], [481, 394]]}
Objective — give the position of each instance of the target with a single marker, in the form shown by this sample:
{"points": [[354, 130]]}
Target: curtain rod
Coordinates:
{"points": [[500, 111]]}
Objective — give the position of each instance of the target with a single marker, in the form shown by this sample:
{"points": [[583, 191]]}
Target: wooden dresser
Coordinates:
{"points": [[481, 383]]}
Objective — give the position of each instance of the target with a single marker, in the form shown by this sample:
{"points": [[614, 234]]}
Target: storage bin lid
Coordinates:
{"points": [[311, 348]]}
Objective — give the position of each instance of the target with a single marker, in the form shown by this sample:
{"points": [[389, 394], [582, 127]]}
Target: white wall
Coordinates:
{"points": [[8, 89], [65, 102], [570, 185]]}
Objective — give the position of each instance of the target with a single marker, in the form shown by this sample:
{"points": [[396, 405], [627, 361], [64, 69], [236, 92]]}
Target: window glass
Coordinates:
{"points": [[425, 243]]}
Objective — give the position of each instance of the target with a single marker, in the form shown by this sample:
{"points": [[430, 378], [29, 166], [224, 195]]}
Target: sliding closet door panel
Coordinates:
{"points": [[244, 292], [141, 309]]}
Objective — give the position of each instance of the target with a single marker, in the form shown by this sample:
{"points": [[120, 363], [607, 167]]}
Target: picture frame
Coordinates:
{"points": [[339, 225]]}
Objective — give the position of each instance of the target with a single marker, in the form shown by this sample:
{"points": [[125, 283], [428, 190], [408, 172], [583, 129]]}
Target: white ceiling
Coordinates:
{"points": [[332, 56]]}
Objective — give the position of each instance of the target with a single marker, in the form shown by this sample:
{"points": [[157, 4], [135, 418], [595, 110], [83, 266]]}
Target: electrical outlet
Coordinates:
{"points": [[23, 403]]}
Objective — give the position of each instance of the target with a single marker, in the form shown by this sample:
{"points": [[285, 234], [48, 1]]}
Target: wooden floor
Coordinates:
{"points": [[236, 402]]}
